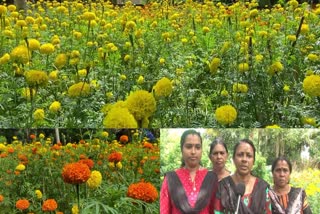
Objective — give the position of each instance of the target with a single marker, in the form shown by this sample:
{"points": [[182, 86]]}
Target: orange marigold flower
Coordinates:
{"points": [[124, 139], [22, 204], [115, 157], [144, 191], [88, 162], [49, 205], [11, 150], [1, 198], [147, 145], [32, 136], [75, 173]]}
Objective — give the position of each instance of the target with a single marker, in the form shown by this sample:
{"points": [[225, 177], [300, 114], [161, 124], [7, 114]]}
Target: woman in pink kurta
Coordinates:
{"points": [[190, 189]]}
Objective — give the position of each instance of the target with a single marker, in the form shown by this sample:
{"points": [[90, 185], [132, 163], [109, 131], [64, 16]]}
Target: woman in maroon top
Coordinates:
{"points": [[254, 194], [286, 199], [191, 188]]}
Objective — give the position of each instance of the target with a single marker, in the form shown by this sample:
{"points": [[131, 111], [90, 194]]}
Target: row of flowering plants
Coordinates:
{"points": [[96, 175], [87, 64]]}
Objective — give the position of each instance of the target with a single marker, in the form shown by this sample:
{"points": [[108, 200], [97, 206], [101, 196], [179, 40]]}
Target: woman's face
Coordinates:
{"points": [[218, 156], [192, 151], [244, 159], [281, 174]]}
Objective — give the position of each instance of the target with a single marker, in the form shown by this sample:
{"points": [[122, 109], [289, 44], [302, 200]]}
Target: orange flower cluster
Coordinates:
{"points": [[115, 157], [88, 162], [22, 204], [23, 159], [124, 139], [147, 145], [49, 205], [76, 173], [144, 191]]}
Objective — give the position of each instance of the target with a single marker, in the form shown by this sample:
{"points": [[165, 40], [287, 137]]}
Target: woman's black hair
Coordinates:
{"points": [[183, 139], [186, 133], [215, 142], [244, 141], [281, 158]]}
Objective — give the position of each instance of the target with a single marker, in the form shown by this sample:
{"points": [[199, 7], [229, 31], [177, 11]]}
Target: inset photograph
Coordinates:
{"points": [[79, 171], [240, 171]]}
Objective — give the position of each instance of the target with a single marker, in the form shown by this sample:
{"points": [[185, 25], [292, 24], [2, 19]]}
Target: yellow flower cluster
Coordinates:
{"points": [[240, 88], [163, 87], [47, 48], [38, 114], [61, 60], [226, 114], [95, 179], [276, 67], [141, 104], [119, 118], [4, 59], [55, 107], [79, 89], [20, 54], [36, 78], [311, 85]]}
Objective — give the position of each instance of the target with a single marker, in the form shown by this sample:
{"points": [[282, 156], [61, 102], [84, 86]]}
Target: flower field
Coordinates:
{"points": [[93, 64], [101, 174]]}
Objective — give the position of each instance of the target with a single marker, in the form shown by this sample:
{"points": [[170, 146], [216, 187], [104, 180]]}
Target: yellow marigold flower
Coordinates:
{"points": [[21, 23], [77, 34], [89, 16], [20, 167], [75, 209], [141, 104], [53, 75], [127, 57], [55, 106], [12, 7], [26, 93], [214, 65], [2, 146], [243, 67], [162, 61], [47, 48], [95, 179], [292, 38], [34, 44], [276, 67], [140, 80], [311, 85], [259, 57], [29, 19], [286, 88], [131, 25], [38, 114], [293, 3], [3, 9], [184, 40], [119, 118], [309, 121], [226, 114], [61, 60], [38, 194], [240, 88], [205, 29], [313, 57], [4, 59], [253, 13], [163, 87], [82, 72], [20, 54], [79, 89], [119, 165], [36, 78], [304, 29], [274, 126]]}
